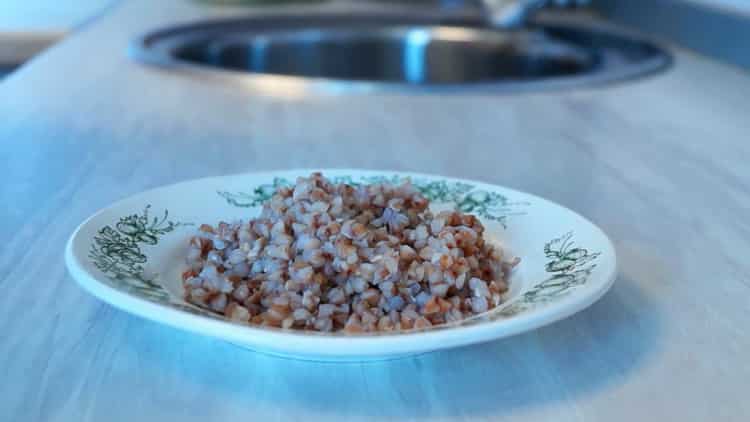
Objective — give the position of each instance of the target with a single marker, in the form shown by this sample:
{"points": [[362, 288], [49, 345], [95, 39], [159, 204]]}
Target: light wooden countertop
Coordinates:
{"points": [[27, 27], [661, 164]]}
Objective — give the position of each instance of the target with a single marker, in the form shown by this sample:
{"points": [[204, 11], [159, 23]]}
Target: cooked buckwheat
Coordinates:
{"points": [[329, 257]]}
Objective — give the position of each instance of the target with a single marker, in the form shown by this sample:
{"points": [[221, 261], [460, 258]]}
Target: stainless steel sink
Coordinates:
{"points": [[376, 53]]}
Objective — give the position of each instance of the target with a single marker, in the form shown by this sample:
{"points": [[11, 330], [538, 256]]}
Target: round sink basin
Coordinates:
{"points": [[416, 55], [386, 53]]}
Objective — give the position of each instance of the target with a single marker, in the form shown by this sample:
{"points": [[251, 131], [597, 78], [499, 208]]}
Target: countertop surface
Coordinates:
{"points": [[29, 26], [47, 15], [660, 164]]}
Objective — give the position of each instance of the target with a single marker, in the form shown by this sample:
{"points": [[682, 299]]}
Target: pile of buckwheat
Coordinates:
{"points": [[329, 257]]}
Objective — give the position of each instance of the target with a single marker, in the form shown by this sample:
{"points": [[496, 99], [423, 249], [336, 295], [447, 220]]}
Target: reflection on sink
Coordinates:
{"points": [[387, 53], [417, 55]]}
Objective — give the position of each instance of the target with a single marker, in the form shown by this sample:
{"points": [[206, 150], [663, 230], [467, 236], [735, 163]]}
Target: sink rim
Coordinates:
{"points": [[156, 48]]}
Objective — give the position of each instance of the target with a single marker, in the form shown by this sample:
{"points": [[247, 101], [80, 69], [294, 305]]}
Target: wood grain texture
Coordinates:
{"points": [[660, 164]]}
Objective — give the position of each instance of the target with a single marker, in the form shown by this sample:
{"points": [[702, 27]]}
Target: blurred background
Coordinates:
{"points": [[716, 28]]}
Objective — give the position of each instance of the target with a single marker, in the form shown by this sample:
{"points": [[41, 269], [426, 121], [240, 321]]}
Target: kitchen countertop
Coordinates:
{"points": [[29, 26], [660, 164]]}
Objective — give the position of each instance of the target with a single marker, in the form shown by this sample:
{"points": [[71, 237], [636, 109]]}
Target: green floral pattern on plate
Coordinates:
{"points": [[117, 252], [461, 196], [569, 265]]}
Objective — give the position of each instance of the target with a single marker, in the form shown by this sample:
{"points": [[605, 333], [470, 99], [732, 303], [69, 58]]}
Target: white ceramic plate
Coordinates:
{"points": [[131, 255]]}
